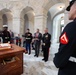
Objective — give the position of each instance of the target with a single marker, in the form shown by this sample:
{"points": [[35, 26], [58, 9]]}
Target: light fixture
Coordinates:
{"points": [[60, 7]]}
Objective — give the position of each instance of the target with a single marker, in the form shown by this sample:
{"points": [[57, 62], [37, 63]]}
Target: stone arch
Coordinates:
{"points": [[54, 11], [49, 25], [57, 27], [48, 4], [27, 19], [6, 15], [56, 33], [61, 17]]}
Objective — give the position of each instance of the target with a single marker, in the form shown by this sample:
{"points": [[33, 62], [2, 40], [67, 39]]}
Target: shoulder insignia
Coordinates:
{"points": [[64, 39]]}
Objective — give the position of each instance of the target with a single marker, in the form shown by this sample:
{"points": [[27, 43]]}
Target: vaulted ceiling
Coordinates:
{"points": [[56, 7], [50, 3]]}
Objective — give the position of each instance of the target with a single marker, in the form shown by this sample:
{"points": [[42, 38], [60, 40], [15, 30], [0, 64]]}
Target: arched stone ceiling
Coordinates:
{"points": [[7, 12], [57, 8], [50, 3], [28, 11]]}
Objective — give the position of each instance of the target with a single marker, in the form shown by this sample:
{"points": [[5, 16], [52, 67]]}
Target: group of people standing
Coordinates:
{"points": [[5, 34], [8, 36], [37, 38]]}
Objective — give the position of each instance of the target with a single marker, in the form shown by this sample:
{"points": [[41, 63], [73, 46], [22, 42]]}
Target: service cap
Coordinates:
{"points": [[70, 4], [5, 26]]}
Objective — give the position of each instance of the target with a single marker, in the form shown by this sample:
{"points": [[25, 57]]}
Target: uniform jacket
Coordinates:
{"points": [[6, 36], [67, 49], [28, 37], [46, 40]]}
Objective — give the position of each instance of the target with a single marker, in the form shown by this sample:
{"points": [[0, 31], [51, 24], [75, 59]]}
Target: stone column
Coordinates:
{"points": [[55, 31], [22, 32], [16, 25], [31, 26], [1, 23], [40, 22]]}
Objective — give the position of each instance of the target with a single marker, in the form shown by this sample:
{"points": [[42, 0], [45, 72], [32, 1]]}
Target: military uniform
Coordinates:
{"points": [[6, 36], [46, 45], [28, 39], [65, 59]]}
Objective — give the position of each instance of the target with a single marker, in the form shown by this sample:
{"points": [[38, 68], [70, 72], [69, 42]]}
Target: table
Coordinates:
{"points": [[11, 61]]}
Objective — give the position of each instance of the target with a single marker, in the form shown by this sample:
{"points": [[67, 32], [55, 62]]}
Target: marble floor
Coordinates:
{"points": [[35, 65]]}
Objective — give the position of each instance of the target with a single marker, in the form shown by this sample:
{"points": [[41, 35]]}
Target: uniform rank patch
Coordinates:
{"points": [[64, 39]]}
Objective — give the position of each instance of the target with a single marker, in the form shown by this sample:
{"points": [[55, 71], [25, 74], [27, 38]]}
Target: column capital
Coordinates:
{"points": [[40, 22], [41, 16], [16, 17]]}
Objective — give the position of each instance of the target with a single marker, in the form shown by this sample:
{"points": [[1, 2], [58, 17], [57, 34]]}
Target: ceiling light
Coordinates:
{"points": [[60, 6]]}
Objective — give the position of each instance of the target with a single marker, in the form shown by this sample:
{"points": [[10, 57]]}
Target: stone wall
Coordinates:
{"points": [[40, 9]]}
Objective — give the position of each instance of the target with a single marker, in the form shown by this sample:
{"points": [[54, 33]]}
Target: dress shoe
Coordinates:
{"points": [[46, 60], [37, 56], [43, 59], [34, 55], [29, 53]]}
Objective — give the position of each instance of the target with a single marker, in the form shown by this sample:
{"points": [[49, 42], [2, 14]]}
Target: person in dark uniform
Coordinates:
{"points": [[37, 42], [28, 40], [6, 35], [46, 44], [65, 58]]}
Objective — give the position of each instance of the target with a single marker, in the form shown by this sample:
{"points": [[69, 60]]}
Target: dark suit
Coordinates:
{"points": [[37, 42], [46, 45]]}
